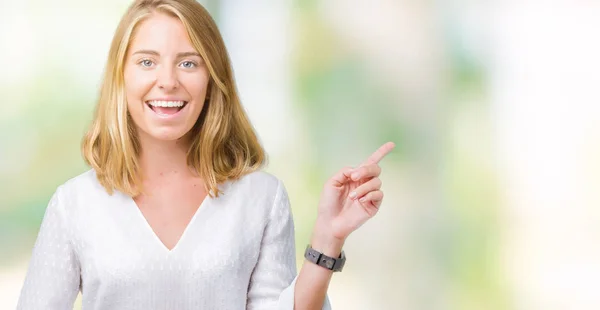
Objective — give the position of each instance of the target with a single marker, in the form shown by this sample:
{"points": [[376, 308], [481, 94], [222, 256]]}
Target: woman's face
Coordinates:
{"points": [[165, 79]]}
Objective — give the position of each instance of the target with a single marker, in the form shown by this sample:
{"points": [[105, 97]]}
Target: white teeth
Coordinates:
{"points": [[167, 104]]}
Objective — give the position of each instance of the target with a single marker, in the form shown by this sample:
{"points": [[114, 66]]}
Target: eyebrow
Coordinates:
{"points": [[179, 55]]}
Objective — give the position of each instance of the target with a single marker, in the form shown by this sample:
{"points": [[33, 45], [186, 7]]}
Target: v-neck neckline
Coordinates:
{"points": [[139, 214]]}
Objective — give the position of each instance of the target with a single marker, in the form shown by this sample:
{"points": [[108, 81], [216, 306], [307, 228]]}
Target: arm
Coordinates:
{"points": [[53, 277], [313, 281], [348, 200], [272, 284]]}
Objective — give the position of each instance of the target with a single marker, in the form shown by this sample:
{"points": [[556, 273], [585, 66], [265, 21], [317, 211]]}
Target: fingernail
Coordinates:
{"points": [[362, 199], [355, 176], [352, 195]]}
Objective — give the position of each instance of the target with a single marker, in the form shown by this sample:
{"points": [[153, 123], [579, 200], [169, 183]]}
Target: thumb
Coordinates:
{"points": [[341, 177]]}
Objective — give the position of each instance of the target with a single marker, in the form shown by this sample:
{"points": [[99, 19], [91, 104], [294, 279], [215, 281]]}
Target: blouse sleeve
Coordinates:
{"points": [[274, 277], [53, 276]]}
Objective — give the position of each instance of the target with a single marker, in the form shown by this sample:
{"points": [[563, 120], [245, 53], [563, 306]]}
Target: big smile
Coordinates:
{"points": [[166, 108]]}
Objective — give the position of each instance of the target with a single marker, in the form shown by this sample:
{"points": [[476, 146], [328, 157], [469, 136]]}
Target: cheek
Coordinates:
{"points": [[137, 84], [196, 85]]}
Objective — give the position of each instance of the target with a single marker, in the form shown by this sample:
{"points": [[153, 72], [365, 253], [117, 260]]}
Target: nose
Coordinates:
{"points": [[167, 78]]}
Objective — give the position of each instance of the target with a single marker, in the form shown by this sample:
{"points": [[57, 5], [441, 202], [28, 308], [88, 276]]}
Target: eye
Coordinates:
{"points": [[188, 64], [145, 63]]}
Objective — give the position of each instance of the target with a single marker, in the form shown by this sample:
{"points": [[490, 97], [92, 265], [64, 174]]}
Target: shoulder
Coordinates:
{"points": [[258, 186], [80, 190], [63, 201], [85, 184], [259, 183], [259, 180]]}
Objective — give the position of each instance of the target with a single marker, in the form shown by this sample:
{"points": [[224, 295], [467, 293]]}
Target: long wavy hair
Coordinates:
{"points": [[224, 144]]}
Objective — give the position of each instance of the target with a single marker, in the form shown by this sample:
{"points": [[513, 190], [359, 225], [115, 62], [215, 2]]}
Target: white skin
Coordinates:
{"points": [[348, 200]]}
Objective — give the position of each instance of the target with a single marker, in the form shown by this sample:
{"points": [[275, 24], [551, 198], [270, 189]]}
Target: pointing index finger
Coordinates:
{"points": [[379, 154]]}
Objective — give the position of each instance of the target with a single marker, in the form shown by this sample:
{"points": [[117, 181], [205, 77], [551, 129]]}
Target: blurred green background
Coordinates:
{"points": [[490, 192]]}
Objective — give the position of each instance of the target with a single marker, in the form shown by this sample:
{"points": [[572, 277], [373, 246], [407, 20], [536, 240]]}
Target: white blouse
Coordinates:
{"points": [[237, 252]]}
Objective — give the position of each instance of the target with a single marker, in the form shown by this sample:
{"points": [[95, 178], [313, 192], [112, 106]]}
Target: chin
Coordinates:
{"points": [[166, 134]]}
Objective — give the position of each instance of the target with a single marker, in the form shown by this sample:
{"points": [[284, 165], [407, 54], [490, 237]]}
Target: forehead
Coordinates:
{"points": [[161, 32]]}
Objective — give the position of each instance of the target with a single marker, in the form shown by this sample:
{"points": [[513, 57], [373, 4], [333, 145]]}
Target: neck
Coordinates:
{"points": [[163, 159]]}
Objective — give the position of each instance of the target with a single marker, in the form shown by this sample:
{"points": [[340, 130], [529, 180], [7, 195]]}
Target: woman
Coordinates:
{"points": [[175, 212]]}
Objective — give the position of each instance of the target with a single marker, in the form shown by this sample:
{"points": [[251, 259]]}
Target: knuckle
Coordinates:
{"points": [[362, 189], [345, 169]]}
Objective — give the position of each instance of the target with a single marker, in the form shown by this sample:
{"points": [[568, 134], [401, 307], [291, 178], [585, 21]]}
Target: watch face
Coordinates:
{"points": [[329, 263]]}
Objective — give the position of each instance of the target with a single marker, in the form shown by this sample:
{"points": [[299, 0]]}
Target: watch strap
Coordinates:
{"points": [[327, 262]]}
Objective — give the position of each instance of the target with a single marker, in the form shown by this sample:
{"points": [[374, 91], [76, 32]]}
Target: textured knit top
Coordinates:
{"points": [[237, 252]]}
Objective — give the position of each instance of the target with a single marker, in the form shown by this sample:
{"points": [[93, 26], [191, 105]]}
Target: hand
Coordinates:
{"points": [[351, 197]]}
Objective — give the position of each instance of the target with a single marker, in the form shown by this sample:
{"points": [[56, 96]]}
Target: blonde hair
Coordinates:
{"points": [[224, 145]]}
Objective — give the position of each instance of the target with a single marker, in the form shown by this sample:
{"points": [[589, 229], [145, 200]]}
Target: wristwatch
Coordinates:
{"points": [[334, 264]]}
